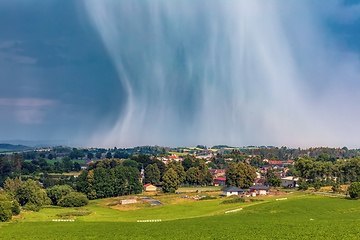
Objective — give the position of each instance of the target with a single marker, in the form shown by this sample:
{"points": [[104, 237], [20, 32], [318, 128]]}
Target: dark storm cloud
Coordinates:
{"points": [[180, 72], [48, 52]]}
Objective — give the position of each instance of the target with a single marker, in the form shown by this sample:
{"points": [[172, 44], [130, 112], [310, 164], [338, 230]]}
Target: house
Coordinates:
{"points": [[259, 181], [149, 187], [175, 158], [232, 191], [220, 180], [83, 166], [289, 182], [259, 189], [217, 172]]}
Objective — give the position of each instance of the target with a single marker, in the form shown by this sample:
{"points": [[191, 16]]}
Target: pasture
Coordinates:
{"points": [[298, 216]]}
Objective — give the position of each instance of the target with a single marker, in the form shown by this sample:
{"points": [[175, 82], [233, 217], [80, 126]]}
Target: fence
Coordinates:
{"points": [[155, 220]]}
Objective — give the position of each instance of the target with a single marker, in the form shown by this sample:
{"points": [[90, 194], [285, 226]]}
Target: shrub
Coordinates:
{"points": [[303, 185], [73, 199], [32, 207], [31, 193], [207, 198], [336, 187], [15, 208], [233, 200], [317, 186], [354, 190], [57, 192], [256, 200], [73, 214], [5, 209]]}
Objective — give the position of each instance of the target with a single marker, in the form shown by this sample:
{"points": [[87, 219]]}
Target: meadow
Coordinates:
{"points": [[299, 216]]}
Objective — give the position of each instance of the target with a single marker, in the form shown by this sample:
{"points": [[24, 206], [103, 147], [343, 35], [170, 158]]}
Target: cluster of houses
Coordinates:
{"points": [[279, 168], [253, 191]]}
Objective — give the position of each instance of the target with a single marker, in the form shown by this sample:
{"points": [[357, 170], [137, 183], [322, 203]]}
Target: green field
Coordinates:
{"points": [[298, 217], [202, 189], [179, 154]]}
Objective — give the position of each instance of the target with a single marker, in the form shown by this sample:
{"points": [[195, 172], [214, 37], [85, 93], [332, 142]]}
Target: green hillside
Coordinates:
{"points": [[297, 217], [4, 147]]}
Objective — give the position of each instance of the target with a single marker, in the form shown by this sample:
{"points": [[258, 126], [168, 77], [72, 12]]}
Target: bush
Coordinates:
{"points": [[32, 207], [5, 209], [57, 192], [74, 199], [317, 186], [207, 198], [31, 193], [73, 214], [234, 200], [303, 185], [336, 187], [15, 208], [256, 200], [354, 190]]}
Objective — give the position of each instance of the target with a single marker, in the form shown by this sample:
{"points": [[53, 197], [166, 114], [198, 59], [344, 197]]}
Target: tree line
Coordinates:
{"points": [[31, 196], [323, 172]]}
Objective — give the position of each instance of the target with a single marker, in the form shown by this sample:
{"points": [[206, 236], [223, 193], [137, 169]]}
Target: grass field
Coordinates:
{"points": [[179, 154], [203, 189], [297, 217]]}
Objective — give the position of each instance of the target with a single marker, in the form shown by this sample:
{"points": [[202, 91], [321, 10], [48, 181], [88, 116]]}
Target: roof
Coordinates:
{"points": [[220, 178], [290, 178], [232, 189], [275, 162], [259, 187], [260, 180], [149, 184]]}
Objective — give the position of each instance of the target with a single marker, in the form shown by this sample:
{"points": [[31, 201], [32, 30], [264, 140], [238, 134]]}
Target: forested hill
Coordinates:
{"points": [[4, 147]]}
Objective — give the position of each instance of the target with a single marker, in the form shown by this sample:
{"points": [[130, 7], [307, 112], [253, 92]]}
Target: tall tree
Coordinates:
{"points": [[152, 174], [191, 175], [90, 155], [108, 155], [16, 161], [12, 185], [240, 175], [170, 181]]}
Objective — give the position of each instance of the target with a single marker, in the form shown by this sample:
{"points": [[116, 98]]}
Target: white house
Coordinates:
{"points": [[259, 190], [232, 191]]}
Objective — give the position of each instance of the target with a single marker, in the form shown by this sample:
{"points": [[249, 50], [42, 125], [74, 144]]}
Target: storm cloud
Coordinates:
{"points": [[127, 73]]}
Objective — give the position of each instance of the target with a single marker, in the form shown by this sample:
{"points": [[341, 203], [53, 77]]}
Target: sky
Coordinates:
{"points": [[181, 73]]}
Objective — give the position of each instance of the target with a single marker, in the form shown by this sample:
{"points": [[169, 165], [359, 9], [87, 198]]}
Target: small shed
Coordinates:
{"points": [[149, 187], [232, 191], [259, 189]]}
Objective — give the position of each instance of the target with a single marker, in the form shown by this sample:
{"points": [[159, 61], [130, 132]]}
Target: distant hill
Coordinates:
{"points": [[36, 144], [5, 147], [221, 146]]}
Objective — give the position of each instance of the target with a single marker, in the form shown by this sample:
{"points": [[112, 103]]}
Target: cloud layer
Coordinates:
{"points": [[230, 72], [125, 73]]}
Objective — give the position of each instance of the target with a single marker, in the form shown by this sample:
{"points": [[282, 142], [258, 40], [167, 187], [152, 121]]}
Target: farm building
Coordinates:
{"points": [[149, 188], [289, 182], [220, 181], [232, 191], [259, 189]]}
